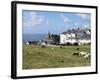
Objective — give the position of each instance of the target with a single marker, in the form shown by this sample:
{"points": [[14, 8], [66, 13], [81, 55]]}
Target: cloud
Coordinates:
{"points": [[47, 22], [76, 24], [31, 19], [84, 16], [86, 26], [65, 19]]}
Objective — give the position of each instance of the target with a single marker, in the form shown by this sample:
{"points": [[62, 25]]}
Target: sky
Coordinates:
{"points": [[42, 22]]}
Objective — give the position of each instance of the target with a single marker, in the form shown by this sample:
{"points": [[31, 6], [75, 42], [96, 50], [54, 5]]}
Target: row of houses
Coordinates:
{"points": [[80, 36]]}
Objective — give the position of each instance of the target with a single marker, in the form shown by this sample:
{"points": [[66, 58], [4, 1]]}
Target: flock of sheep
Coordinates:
{"points": [[83, 54]]}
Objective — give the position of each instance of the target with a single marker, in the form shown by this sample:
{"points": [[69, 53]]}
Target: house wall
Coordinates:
{"points": [[66, 38], [84, 41], [62, 38], [72, 35]]}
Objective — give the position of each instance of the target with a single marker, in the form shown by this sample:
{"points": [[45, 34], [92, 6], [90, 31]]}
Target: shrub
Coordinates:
{"points": [[88, 43], [68, 44], [75, 44]]}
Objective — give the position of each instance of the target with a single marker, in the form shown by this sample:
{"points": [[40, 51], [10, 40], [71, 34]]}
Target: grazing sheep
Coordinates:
{"points": [[82, 53], [61, 46], [77, 48], [43, 45], [76, 53], [52, 48], [87, 56]]}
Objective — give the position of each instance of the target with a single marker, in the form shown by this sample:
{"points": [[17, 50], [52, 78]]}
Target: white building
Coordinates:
{"points": [[75, 36]]}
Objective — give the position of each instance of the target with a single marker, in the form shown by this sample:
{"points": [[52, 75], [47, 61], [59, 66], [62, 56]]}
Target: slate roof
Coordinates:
{"points": [[80, 34]]}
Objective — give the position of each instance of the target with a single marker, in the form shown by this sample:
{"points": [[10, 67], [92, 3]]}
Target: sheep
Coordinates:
{"points": [[76, 53], [52, 48], [77, 48], [43, 45], [82, 53], [87, 56], [61, 47]]}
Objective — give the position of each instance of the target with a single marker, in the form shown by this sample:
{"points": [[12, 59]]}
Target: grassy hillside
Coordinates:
{"points": [[35, 57]]}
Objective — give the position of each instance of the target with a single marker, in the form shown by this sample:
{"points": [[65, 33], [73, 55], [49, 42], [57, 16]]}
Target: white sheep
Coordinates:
{"points": [[52, 48], [82, 53], [43, 45], [87, 56]]}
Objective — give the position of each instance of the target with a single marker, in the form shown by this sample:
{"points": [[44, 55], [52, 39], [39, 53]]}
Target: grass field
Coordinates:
{"points": [[35, 57]]}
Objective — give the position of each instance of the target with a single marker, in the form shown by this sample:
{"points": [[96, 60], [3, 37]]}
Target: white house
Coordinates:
{"points": [[75, 36], [64, 38]]}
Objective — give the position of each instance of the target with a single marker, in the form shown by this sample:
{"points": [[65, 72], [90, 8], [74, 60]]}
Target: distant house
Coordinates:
{"points": [[76, 36]]}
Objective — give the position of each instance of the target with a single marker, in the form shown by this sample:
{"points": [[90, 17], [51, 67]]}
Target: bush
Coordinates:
{"points": [[88, 43], [68, 44], [75, 44]]}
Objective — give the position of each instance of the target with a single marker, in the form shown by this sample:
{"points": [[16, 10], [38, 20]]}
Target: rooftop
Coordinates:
{"points": [[79, 33]]}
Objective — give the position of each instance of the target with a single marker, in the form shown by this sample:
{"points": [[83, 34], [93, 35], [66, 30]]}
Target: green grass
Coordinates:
{"points": [[35, 57]]}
